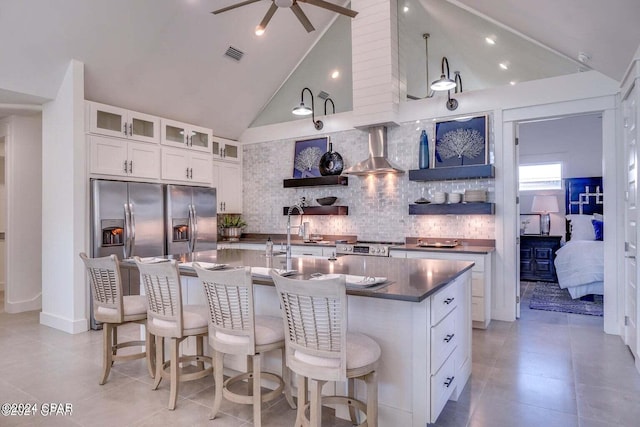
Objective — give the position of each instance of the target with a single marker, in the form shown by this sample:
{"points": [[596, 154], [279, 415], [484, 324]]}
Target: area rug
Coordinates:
{"points": [[549, 297]]}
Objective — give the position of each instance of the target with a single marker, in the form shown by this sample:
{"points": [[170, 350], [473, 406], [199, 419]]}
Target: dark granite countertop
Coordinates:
{"points": [[408, 279], [464, 246], [261, 238]]}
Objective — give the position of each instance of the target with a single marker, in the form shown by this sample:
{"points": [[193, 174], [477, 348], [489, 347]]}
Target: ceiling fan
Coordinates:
{"points": [[295, 8]]}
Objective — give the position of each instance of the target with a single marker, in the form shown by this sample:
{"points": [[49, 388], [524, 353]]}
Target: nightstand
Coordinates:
{"points": [[537, 254]]}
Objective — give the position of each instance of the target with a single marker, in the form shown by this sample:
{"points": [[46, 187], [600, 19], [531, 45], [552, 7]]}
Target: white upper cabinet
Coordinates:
{"points": [[118, 157], [186, 166], [226, 149], [182, 135], [227, 179], [122, 123]]}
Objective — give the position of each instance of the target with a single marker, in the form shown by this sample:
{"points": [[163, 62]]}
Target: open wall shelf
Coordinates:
{"points": [[320, 210], [316, 181], [454, 172], [453, 209]]}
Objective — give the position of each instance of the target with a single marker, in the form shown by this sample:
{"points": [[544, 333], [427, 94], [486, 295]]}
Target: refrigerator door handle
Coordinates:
{"points": [[125, 247], [195, 227], [191, 229], [132, 241]]}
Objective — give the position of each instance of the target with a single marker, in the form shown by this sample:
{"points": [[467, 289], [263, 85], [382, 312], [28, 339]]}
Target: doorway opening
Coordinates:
{"points": [[557, 233]]}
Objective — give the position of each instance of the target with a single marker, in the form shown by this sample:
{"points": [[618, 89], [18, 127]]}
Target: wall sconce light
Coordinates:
{"points": [[303, 110], [332, 105], [445, 83]]}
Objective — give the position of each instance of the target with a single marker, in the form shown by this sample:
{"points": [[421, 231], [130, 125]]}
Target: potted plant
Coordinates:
{"points": [[231, 226]]}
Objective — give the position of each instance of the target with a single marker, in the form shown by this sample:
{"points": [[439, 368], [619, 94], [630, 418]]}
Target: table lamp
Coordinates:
{"points": [[545, 205]]}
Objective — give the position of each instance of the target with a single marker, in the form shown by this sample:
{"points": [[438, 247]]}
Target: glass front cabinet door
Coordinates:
{"points": [[183, 135], [122, 123], [226, 149]]}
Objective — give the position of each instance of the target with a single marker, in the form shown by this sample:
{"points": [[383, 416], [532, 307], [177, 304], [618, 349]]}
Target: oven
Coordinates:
{"points": [[366, 248]]}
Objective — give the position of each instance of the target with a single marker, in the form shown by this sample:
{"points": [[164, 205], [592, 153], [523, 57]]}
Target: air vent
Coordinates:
{"points": [[323, 95], [234, 53]]}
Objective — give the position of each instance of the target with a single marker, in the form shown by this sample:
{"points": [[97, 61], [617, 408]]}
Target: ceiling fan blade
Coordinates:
{"points": [[233, 6], [330, 6], [268, 16], [302, 17]]}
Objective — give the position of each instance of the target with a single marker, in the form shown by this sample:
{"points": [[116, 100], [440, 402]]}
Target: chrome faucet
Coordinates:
{"points": [[289, 226]]}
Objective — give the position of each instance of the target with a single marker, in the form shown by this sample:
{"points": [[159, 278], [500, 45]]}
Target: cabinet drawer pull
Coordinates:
{"points": [[130, 166], [125, 166], [130, 129], [449, 337], [124, 129], [448, 300], [187, 173], [449, 381]]}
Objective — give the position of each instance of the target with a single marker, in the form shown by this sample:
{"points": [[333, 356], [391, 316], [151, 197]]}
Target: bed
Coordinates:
{"points": [[580, 261]]}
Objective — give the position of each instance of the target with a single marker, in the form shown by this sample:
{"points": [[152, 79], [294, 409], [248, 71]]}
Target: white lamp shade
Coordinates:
{"points": [[545, 204], [301, 110]]}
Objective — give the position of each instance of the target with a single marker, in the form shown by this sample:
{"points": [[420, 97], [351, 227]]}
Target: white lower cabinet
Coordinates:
{"points": [[186, 166], [481, 279], [123, 158], [227, 179]]}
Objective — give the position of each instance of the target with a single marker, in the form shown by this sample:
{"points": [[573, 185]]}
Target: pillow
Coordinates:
{"points": [[598, 228], [598, 216], [581, 227]]}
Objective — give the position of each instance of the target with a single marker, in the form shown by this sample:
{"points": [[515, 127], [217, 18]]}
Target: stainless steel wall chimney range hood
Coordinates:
{"points": [[377, 162]]}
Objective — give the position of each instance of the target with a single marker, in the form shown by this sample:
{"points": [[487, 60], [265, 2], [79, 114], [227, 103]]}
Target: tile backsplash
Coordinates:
{"points": [[378, 205]]}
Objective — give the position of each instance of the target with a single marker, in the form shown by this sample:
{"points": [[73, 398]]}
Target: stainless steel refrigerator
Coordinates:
{"points": [[191, 223], [127, 219]]}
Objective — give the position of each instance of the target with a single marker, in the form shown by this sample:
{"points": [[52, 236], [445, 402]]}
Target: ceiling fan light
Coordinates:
{"points": [[259, 30], [301, 110], [443, 83]]}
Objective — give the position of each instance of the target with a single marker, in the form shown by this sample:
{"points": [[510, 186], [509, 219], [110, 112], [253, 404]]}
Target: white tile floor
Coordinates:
{"points": [[547, 369]]}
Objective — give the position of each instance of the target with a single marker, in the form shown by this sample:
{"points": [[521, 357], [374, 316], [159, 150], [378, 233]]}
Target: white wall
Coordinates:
{"points": [[23, 192], [575, 141], [3, 209], [64, 203]]}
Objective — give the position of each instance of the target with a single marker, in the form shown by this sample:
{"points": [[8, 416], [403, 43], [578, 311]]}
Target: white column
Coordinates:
{"points": [[374, 46], [64, 206]]}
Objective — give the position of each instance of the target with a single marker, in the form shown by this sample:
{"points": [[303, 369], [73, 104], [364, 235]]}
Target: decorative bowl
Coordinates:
{"points": [[326, 201]]}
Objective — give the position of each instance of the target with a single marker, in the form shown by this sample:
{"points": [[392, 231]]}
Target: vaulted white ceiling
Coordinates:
{"points": [[166, 57]]}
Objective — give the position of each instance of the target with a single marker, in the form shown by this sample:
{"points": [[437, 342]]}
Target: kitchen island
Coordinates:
{"points": [[420, 317]]}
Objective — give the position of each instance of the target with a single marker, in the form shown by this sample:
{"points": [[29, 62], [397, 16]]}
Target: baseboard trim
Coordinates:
{"points": [[63, 324], [21, 306]]}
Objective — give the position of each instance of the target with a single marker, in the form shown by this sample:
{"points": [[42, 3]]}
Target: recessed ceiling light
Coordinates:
{"points": [[512, 83], [335, 74], [405, 9], [489, 40], [417, 128], [259, 30], [504, 66]]}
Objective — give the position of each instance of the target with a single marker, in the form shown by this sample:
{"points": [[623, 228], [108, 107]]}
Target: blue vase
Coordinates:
{"points": [[423, 162]]}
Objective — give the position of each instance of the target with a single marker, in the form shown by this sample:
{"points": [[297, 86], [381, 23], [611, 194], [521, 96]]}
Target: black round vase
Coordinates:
{"points": [[331, 163]]}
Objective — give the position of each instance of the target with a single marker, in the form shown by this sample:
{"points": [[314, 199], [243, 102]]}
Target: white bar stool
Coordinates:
{"points": [[113, 309], [168, 318], [319, 348], [235, 329]]}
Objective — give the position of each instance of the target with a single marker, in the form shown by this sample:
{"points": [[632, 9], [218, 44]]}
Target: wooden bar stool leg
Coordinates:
{"points": [[351, 392], [371, 380], [302, 400], [150, 350], [114, 334], [286, 378], [200, 351], [257, 395], [218, 379], [315, 410], [250, 379], [159, 361], [107, 355], [174, 373]]}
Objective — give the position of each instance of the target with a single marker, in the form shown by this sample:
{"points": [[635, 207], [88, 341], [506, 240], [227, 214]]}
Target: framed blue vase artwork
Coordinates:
{"points": [[462, 142], [307, 155]]}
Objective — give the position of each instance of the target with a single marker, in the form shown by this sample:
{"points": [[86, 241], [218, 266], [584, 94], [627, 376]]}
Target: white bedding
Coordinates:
{"points": [[580, 267]]}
